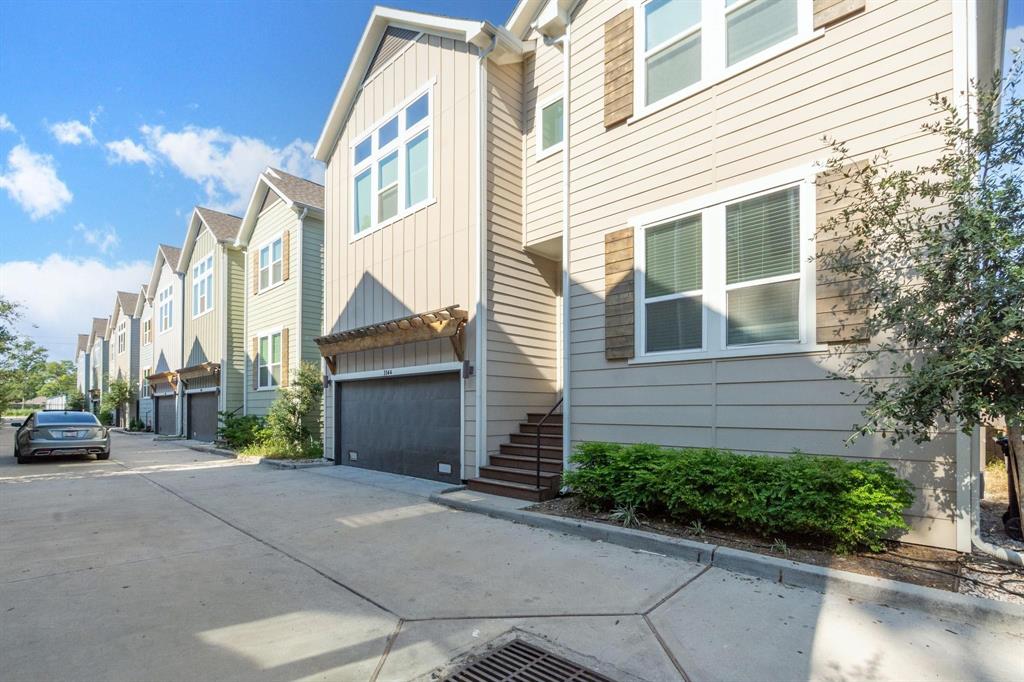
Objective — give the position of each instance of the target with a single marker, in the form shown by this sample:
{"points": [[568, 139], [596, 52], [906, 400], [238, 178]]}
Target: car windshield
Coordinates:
{"points": [[66, 418]]}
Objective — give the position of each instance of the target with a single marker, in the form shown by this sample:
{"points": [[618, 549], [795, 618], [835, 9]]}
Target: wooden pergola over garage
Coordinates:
{"points": [[443, 323]]}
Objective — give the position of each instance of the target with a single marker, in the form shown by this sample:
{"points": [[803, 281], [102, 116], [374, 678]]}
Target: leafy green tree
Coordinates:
{"points": [[23, 368], [941, 250], [75, 400], [118, 395], [293, 422], [60, 379]]}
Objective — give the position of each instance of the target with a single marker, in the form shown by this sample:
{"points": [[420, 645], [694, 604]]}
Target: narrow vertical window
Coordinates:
{"points": [[387, 187], [269, 361], [417, 180], [362, 201], [552, 125], [673, 286]]}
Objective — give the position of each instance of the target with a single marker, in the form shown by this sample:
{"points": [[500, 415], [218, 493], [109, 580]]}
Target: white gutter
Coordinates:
{"points": [[481, 236]]}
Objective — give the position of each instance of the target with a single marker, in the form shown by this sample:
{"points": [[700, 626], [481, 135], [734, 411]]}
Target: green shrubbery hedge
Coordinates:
{"points": [[842, 504]]}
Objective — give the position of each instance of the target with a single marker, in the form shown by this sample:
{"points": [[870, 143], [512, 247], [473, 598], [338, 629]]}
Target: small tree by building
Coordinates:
{"points": [[293, 423], [116, 399], [935, 256]]}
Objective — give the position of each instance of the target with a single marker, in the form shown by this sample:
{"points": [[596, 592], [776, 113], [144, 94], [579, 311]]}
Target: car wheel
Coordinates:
{"points": [[105, 455], [22, 460]]}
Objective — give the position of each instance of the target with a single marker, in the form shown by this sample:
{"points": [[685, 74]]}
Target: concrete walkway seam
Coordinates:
{"points": [[952, 606]]}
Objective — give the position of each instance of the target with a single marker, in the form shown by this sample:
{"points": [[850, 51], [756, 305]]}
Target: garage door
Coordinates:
{"points": [[202, 416], [165, 415], [404, 425]]}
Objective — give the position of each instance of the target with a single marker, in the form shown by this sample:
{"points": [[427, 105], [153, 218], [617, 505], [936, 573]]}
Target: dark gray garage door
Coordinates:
{"points": [[405, 425], [165, 415], [202, 416]]}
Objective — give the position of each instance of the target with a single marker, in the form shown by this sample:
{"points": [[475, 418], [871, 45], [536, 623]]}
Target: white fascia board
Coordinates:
{"points": [[252, 211]]}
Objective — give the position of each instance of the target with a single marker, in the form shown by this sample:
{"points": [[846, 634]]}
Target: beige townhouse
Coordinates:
{"points": [[283, 233], [210, 377], [98, 359], [123, 343], [82, 372], [144, 314], [613, 203], [164, 297]]}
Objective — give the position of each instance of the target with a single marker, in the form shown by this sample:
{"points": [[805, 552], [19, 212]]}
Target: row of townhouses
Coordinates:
{"points": [[595, 222]]}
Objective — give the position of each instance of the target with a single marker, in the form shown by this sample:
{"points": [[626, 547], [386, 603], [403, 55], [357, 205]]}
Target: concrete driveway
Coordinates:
{"points": [[169, 564]]}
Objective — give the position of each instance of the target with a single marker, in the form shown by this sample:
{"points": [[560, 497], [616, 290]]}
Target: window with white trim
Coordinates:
{"points": [[202, 286], [271, 260], [147, 329], [550, 126], [122, 337], [682, 44], [269, 361], [391, 166], [165, 309], [726, 277], [144, 384]]}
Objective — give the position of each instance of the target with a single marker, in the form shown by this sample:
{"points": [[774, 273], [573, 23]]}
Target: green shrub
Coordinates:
{"points": [[239, 431], [840, 503], [136, 425], [106, 417]]}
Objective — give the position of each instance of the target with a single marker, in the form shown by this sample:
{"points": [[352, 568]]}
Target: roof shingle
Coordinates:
{"points": [[224, 226], [298, 190], [172, 254], [127, 301]]}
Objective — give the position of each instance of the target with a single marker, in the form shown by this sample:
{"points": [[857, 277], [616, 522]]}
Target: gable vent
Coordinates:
{"points": [[391, 43]]}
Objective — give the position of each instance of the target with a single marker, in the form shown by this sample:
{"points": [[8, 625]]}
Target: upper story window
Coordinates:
{"points": [[729, 276], [685, 44], [147, 332], [391, 166], [165, 309], [122, 337], [551, 118], [202, 286], [271, 259]]}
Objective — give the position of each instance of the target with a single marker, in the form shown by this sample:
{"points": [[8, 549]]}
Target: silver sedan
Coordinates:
{"points": [[60, 433]]}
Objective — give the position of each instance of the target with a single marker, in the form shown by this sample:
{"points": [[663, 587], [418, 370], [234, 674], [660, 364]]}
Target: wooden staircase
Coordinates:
{"points": [[513, 471]]}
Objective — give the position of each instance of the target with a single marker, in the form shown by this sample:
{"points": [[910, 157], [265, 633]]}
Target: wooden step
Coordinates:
{"points": [[546, 451], [548, 479], [526, 463], [519, 491], [534, 417], [531, 439], [547, 429]]}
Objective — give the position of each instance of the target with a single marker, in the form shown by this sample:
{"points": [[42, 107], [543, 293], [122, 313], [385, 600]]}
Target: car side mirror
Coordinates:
{"points": [[16, 424]]}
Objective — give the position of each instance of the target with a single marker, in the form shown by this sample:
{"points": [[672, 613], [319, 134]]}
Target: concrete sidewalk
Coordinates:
{"points": [[167, 563]]}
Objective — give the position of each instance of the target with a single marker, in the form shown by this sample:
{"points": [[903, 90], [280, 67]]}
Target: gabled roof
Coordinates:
{"points": [[223, 226], [479, 33], [297, 192], [164, 254], [83, 344], [99, 330], [123, 301], [141, 300]]}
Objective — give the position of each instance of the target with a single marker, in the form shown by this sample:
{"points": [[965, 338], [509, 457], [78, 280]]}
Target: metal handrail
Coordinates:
{"points": [[539, 425]]}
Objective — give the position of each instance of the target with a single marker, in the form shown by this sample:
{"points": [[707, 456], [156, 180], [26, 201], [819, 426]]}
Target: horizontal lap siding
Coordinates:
{"points": [[312, 288], [203, 340], [425, 261], [274, 308], [542, 78], [145, 365], [234, 364], [521, 331], [867, 80], [167, 345]]}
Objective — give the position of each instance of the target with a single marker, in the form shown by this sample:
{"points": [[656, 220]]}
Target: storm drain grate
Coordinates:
{"points": [[518, 661]]}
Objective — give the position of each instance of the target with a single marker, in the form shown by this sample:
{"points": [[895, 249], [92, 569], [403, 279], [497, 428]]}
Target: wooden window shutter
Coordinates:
{"points": [[255, 362], [618, 68], [830, 11], [618, 295], [286, 255], [284, 356], [255, 272], [840, 300]]}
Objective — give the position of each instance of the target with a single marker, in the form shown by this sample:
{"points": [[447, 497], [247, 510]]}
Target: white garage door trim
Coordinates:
{"points": [[436, 368]]}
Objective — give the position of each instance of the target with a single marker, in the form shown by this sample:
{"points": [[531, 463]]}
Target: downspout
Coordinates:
{"points": [[298, 333], [247, 292], [180, 390], [481, 236]]}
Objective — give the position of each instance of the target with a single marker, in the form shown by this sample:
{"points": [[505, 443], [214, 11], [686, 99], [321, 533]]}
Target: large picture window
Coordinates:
{"points": [[682, 44], [202, 286], [269, 361], [727, 276], [391, 173]]}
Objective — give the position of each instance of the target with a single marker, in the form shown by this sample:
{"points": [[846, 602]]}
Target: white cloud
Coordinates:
{"points": [[1014, 38], [73, 132], [104, 238], [128, 151], [226, 165], [5, 124], [31, 180], [62, 295]]}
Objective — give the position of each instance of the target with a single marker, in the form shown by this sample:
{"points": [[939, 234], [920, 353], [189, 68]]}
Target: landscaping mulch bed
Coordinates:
{"points": [[915, 564]]}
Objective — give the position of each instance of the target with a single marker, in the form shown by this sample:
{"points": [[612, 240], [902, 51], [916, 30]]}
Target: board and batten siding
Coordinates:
{"points": [[167, 344], [542, 79], [204, 341], [866, 80], [522, 335], [312, 289], [426, 260]]}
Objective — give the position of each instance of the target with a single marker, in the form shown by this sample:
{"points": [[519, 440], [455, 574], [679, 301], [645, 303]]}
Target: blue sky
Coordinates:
{"points": [[116, 118]]}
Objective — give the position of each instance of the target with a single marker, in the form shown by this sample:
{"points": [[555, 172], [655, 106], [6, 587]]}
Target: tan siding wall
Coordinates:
{"points": [[203, 339], [424, 261], [145, 365], [867, 81], [274, 308], [234, 364], [543, 178], [521, 332], [167, 345]]}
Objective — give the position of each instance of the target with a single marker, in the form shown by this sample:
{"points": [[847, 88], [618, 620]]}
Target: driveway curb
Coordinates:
{"points": [[947, 605], [288, 464]]}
